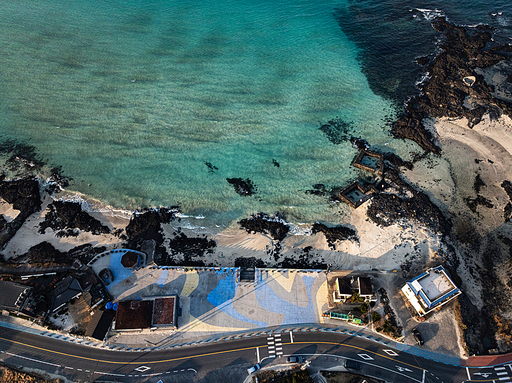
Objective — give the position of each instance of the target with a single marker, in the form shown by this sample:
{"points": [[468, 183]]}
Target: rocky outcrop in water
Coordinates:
{"points": [[65, 217], [24, 195], [444, 93], [243, 187], [145, 225], [274, 226]]}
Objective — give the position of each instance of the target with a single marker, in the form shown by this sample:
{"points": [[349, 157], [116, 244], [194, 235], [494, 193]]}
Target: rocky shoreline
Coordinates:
{"points": [[399, 203], [444, 92]]}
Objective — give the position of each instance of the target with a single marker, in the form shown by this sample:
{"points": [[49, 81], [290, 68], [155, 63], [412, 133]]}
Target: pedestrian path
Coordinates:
{"points": [[275, 345]]}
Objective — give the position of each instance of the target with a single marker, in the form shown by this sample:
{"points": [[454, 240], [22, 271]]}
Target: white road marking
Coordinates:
{"points": [[365, 356], [483, 374], [505, 378], [469, 375], [502, 373], [401, 369], [499, 368], [423, 378], [390, 352], [258, 354], [291, 336], [33, 360]]}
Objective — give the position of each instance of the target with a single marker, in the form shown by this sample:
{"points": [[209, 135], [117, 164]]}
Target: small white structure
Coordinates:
{"points": [[430, 290]]}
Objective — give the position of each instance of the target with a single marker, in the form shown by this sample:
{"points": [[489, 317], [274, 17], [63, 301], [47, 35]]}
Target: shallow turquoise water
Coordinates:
{"points": [[133, 97]]}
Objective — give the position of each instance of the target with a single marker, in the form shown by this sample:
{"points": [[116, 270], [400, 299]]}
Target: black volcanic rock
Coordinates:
{"points": [[473, 203], [66, 216], [146, 225], [334, 234], [443, 93], [410, 126], [388, 209], [191, 247], [242, 187], [395, 160], [24, 195], [304, 259], [265, 224]]}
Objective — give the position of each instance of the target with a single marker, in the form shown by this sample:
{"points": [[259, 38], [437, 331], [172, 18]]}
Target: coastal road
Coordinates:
{"points": [[322, 350]]}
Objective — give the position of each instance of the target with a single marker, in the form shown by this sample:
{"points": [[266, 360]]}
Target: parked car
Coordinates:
{"points": [[417, 337], [352, 365], [254, 368], [294, 359]]}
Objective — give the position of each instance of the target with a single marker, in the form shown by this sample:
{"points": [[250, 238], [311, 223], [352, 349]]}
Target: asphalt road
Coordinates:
{"points": [[322, 351]]}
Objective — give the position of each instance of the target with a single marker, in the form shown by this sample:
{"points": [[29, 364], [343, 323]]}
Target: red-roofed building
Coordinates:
{"points": [[148, 312]]}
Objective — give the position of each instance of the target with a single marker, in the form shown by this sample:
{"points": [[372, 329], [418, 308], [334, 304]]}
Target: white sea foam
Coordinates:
{"points": [[300, 229], [431, 14]]}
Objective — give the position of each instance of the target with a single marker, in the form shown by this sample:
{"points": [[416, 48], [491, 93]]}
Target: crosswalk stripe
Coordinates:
{"points": [[502, 373], [499, 368]]}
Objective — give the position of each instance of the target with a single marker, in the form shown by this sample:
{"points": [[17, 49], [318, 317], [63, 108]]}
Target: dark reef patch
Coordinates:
{"points": [[23, 158], [334, 234], [319, 189], [337, 130], [67, 216], [243, 187], [211, 168]]}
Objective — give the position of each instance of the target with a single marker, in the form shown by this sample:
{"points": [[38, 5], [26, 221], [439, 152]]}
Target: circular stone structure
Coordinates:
{"points": [[130, 260]]}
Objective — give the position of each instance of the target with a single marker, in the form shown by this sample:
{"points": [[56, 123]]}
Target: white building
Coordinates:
{"points": [[430, 290]]}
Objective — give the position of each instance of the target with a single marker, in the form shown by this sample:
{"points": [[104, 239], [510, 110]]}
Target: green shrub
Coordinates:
{"points": [[375, 316], [364, 307]]}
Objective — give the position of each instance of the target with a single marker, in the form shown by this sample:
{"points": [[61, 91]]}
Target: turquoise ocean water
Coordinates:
{"points": [[132, 98]]}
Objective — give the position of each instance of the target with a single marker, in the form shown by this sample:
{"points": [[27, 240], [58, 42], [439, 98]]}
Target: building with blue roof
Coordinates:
{"points": [[430, 290]]}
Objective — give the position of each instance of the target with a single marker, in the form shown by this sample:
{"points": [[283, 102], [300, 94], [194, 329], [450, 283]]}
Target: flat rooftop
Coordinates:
{"points": [[163, 311], [134, 314], [435, 284]]}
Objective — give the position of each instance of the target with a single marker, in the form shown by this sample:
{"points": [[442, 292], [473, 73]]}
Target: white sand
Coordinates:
{"points": [[7, 210]]}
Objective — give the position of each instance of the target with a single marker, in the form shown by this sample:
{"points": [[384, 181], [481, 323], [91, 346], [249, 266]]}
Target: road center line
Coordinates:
{"points": [[291, 336]]}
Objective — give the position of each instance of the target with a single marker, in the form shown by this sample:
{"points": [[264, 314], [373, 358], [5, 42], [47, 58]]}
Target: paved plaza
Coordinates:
{"points": [[215, 300]]}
